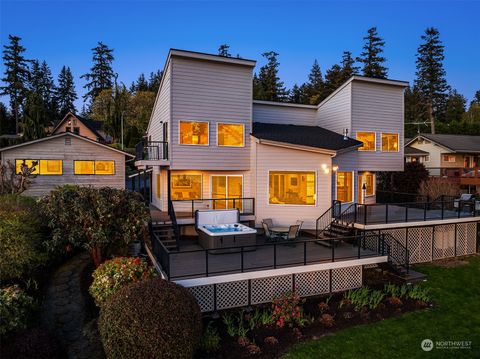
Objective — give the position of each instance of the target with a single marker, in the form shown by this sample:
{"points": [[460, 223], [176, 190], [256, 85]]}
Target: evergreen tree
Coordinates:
{"points": [[101, 75], [430, 73], [16, 77], [298, 94], [333, 79], [5, 125], [414, 112], [268, 80], [315, 88], [223, 50], [454, 107], [65, 95], [34, 117], [371, 56], [140, 85], [348, 66], [476, 98], [472, 116], [155, 80], [258, 91]]}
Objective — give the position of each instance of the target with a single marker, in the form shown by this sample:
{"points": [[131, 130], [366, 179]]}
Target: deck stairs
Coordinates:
{"points": [[165, 234]]}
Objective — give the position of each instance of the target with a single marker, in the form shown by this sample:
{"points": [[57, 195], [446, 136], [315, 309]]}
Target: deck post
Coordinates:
{"points": [[241, 258], [386, 213], [275, 256], [206, 263], [406, 213], [193, 208], [333, 250], [425, 211], [304, 253]]}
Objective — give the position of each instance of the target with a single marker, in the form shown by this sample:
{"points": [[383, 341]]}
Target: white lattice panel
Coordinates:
{"points": [[444, 241], [264, 290], [312, 283], [466, 238], [472, 237], [420, 244], [232, 294], [346, 278], [400, 234], [204, 294]]}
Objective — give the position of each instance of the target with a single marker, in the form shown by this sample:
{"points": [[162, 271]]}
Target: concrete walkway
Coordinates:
{"points": [[63, 311]]}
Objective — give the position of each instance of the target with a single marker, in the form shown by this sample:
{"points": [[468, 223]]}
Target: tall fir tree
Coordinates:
{"points": [[34, 117], [371, 57], [348, 66], [65, 95], [140, 85], [476, 97], [101, 75], [272, 87], [414, 112], [15, 77], [298, 94], [155, 80], [5, 125], [333, 79], [315, 87], [223, 50], [430, 75], [454, 107]]}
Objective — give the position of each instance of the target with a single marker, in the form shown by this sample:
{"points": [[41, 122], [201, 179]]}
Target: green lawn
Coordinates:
{"points": [[456, 316]]}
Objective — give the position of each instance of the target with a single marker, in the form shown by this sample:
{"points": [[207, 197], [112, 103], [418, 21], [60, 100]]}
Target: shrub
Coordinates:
{"points": [[97, 219], [116, 273], [363, 297], [15, 309], [210, 339], [21, 237], [287, 311], [32, 343], [150, 319]]}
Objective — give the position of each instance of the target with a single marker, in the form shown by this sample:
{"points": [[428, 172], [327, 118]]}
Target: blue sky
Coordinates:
{"points": [[141, 32]]}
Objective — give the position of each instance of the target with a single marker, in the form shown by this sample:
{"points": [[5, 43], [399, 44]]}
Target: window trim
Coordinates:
{"points": [[232, 123], [448, 160], [188, 174], [39, 173], [95, 168], [353, 185], [287, 204], [427, 158], [374, 142], [390, 133], [192, 144]]}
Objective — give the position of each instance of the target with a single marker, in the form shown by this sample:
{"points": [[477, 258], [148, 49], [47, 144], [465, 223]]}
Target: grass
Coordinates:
{"points": [[456, 316]]}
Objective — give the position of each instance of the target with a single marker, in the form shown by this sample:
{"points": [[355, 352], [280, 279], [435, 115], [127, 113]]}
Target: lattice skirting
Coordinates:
{"points": [[429, 243], [246, 292]]}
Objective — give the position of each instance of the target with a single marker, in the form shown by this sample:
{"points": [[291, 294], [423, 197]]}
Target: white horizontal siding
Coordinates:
{"points": [[78, 150], [335, 114], [270, 158], [284, 115], [161, 111]]}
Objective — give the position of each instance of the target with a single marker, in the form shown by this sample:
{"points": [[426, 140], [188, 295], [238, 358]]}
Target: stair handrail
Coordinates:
{"points": [[173, 218], [326, 219], [348, 216], [397, 253]]}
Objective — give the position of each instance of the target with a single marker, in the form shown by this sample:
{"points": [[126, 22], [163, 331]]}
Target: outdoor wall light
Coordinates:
{"points": [[326, 168]]}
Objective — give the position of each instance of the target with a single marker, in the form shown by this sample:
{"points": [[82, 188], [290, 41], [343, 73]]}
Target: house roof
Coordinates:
{"points": [[66, 134], [310, 136], [92, 125], [454, 143], [412, 151]]}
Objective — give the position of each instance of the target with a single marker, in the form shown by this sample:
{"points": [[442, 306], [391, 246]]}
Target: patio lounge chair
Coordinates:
{"points": [[292, 234], [460, 202], [270, 235]]}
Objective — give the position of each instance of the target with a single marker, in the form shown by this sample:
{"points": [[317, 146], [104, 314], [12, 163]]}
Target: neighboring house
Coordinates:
{"points": [[208, 139], [454, 157], [67, 158], [415, 155], [82, 126]]}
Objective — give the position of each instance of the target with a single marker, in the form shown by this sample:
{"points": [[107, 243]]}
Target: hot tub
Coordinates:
{"points": [[221, 231]]}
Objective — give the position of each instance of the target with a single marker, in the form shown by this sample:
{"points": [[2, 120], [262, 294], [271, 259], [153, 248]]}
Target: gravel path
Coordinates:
{"points": [[63, 311]]}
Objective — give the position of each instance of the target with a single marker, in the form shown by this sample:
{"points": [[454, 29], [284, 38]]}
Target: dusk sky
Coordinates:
{"points": [[141, 32]]}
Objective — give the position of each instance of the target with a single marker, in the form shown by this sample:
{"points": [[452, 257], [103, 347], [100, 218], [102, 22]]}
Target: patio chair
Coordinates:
{"points": [[268, 222], [270, 236], [299, 223], [459, 202]]}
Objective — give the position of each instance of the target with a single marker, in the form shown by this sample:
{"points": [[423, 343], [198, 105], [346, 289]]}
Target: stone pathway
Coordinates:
{"points": [[63, 311]]}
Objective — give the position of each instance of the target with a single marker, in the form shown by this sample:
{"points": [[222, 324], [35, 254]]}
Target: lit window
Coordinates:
{"points": [[51, 167], [29, 163], [448, 158], [390, 142], [84, 167], [369, 179], [104, 167], [194, 133], [185, 186], [344, 186], [292, 188], [368, 139], [230, 135]]}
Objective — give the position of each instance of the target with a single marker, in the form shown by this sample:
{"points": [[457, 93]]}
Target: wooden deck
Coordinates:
{"points": [[184, 264]]}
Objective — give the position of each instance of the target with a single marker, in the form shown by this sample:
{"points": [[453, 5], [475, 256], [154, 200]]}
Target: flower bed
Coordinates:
{"points": [[271, 330]]}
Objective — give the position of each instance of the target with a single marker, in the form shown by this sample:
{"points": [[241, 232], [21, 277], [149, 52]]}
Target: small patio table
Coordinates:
{"points": [[280, 229]]}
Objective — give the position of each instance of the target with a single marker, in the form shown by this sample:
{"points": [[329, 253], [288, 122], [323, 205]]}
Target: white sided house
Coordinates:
{"points": [[67, 158], [209, 146]]}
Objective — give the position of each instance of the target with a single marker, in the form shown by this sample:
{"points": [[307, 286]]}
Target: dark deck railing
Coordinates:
{"points": [[246, 205], [455, 172], [366, 246], [151, 150]]}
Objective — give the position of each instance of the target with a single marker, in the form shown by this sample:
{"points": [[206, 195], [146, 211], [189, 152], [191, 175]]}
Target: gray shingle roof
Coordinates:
{"points": [[311, 136], [456, 143], [410, 151]]}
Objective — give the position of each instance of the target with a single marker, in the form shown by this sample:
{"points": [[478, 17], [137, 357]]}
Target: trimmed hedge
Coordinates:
{"points": [[15, 309], [150, 319]]}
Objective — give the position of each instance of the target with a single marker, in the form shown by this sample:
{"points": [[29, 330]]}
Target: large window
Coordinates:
{"points": [[228, 186], [344, 186], [292, 188], [390, 142], [94, 167], [186, 186], [231, 135], [368, 139], [43, 167], [193, 133]]}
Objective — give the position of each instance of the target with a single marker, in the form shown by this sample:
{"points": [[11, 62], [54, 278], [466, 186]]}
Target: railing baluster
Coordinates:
{"points": [[386, 213], [206, 262], [332, 243], [274, 256], [193, 208], [241, 258], [304, 253]]}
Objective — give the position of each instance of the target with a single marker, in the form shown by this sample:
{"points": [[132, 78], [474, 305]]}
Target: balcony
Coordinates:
{"points": [[459, 175], [151, 153]]}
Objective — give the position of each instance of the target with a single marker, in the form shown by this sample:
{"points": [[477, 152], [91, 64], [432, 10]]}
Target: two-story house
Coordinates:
{"points": [[209, 144]]}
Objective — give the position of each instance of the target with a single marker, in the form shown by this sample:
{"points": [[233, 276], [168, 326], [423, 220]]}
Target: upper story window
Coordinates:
{"points": [[94, 167], [296, 188], [43, 167], [390, 142], [368, 139], [230, 135], [194, 133]]}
